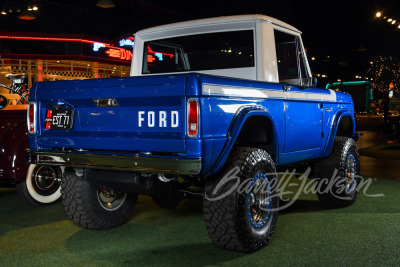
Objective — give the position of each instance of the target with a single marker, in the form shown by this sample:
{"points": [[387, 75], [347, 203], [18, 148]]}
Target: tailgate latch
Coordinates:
{"points": [[105, 102]]}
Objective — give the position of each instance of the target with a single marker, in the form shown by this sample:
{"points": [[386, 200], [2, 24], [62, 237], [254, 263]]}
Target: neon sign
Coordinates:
{"points": [[150, 58], [160, 56], [126, 42], [97, 46], [119, 53]]}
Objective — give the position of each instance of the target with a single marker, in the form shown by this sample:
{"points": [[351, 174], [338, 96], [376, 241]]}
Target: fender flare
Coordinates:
{"points": [[239, 119], [337, 117]]}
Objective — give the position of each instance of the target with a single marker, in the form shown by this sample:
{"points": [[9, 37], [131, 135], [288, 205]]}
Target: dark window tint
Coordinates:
{"points": [[291, 59], [223, 50], [286, 52]]}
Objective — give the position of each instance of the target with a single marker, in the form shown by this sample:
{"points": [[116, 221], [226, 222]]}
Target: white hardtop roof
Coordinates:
{"points": [[217, 20]]}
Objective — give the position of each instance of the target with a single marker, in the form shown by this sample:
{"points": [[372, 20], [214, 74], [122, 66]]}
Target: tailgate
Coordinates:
{"points": [[135, 114]]}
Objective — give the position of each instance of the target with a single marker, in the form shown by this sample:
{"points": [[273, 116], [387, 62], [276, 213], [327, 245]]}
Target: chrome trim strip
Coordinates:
{"points": [[114, 162], [252, 92]]}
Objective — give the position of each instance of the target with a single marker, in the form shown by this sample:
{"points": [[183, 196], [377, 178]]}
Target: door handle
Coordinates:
{"points": [[328, 110], [286, 87]]}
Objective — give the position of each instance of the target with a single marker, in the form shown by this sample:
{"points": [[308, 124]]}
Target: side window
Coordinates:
{"points": [[209, 51], [291, 65], [303, 69]]}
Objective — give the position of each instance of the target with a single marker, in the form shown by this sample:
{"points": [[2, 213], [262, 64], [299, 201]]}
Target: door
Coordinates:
{"points": [[302, 104]]}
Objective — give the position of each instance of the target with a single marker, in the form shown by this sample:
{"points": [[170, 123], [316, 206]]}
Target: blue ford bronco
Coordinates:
{"points": [[212, 108]]}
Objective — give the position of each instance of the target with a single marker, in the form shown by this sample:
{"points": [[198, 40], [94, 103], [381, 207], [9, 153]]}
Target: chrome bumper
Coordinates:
{"points": [[116, 162]]}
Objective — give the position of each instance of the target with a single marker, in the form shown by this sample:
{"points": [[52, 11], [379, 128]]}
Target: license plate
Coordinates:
{"points": [[59, 119]]}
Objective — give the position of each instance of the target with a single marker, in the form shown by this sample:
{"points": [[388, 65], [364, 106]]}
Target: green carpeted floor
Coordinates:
{"points": [[367, 233]]}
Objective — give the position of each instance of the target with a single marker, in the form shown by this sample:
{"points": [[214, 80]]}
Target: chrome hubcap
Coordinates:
{"points": [[44, 178]]}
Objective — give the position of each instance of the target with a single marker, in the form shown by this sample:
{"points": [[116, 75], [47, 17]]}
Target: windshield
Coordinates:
{"points": [[210, 51]]}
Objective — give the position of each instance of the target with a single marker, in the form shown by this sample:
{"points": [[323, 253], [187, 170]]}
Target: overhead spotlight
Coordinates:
{"points": [[389, 20], [3, 12], [394, 22], [30, 8], [35, 8], [378, 14], [105, 4]]}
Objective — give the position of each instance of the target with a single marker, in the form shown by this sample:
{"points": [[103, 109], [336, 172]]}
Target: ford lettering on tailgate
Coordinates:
{"points": [[161, 119]]}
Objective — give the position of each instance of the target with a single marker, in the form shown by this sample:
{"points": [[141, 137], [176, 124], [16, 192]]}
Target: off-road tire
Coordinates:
{"points": [[83, 206], [333, 176], [228, 220]]}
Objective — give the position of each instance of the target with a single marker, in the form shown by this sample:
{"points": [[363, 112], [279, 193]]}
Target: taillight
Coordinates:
{"points": [[31, 118], [193, 118]]}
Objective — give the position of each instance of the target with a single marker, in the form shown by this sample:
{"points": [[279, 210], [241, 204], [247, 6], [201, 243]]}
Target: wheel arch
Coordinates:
{"points": [[245, 123], [343, 124]]}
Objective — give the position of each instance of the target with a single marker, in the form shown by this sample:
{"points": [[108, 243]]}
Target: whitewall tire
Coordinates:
{"points": [[42, 185]]}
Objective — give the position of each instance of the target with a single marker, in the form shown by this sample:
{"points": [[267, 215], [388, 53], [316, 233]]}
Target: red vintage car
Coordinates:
{"points": [[38, 185]]}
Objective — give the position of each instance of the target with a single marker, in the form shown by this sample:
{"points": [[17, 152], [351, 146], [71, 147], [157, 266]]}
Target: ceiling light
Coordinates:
{"points": [[35, 8], [378, 14], [26, 15], [30, 8], [389, 20], [3, 12], [105, 3]]}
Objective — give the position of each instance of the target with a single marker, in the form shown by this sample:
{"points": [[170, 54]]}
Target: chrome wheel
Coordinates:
{"points": [[110, 200], [42, 184], [45, 180]]}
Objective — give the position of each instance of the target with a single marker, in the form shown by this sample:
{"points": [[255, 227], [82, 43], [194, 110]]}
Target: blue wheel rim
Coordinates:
{"points": [[259, 201]]}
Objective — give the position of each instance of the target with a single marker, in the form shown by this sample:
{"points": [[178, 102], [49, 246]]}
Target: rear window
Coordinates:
{"points": [[211, 51]]}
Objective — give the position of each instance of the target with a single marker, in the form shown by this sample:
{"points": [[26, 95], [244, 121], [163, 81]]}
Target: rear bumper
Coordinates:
{"points": [[116, 162]]}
